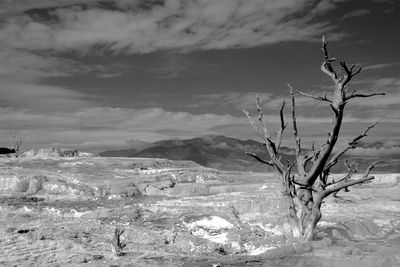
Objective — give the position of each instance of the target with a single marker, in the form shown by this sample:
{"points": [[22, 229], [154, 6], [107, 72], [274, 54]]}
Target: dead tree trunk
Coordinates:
{"points": [[304, 189], [16, 142]]}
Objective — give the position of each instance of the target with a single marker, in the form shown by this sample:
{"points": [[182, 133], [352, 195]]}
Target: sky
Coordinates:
{"points": [[97, 75]]}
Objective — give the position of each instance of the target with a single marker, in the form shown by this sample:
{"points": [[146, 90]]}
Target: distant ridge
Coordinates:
{"points": [[227, 153]]}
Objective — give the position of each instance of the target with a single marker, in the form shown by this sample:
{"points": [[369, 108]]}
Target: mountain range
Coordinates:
{"points": [[226, 153]]}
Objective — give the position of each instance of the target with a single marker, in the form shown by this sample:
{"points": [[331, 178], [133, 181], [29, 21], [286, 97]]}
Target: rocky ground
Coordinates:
{"points": [[65, 211]]}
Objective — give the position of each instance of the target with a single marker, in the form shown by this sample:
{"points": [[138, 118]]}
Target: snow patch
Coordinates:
{"points": [[53, 211], [220, 238], [114, 197], [77, 163], [212, 228], [326, 224], [119, 177], [25, 209], [212, 223], [235, 245], [251, 250], [77, 214]]}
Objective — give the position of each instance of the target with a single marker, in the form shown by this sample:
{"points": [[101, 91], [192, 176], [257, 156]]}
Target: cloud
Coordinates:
{"points": [[380, 66], [8, 7], [184, 25], [387, 148], [41, 97], [357, 13], [388, 85], [21, 73], [23, 65], [247, 100], [110, 75], [174, 65], [385, 1], [37, 37], [383, 82], [376, 152], [238, 100]]}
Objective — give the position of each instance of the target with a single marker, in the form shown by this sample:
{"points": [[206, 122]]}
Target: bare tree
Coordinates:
{"points": [[16, 142], [304, 189]]}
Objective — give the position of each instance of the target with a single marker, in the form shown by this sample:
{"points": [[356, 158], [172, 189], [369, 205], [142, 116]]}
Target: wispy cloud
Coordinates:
{"points": [[110, 75], [172, 25], [357, 13], [387, 83], [238, 100], [35, 36], [380, 66], [41, 97]]}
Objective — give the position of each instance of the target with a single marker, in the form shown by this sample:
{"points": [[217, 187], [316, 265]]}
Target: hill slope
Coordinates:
{"points": [[228, 153]]}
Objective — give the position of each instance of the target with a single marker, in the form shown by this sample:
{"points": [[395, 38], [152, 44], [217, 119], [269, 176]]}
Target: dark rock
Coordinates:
{"points": [[221, 251], [163, 184], [5, 150]]}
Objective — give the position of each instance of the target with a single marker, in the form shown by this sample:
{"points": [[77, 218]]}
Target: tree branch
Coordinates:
{"points": [[295, 132], [254, 124], [349, 72], [265, 135], [299, 158], [354, 95], [270, 163], [283, 126], [363, 179], [321, 98], [326, 66], [351, 145], [352, 168], [304, 186]]}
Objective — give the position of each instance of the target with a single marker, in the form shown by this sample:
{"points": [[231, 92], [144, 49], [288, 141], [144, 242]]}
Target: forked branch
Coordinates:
{"points": [[326, 66], [351, 169], [349, 72], [351, 145], [266, 136], [340, 186]]}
